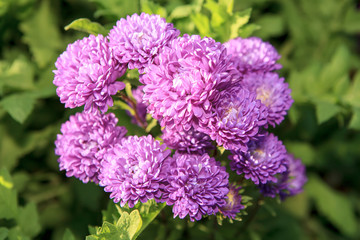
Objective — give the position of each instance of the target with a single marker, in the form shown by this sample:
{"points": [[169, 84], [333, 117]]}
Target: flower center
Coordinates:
{"points": [[257, 156], [264, 95]]}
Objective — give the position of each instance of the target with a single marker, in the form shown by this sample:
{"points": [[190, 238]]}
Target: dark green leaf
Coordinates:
{"points": [[116, 8], [302, 150], [19, 106], [271, 25], [336, 69], [333, 205], [355, 119], [325, 110], [68, 235], [29, 228], [353, 96], [85, 25], [352, 19], [17, 75], [3, 233], [8, 198], [42, 34], [248, 30]]}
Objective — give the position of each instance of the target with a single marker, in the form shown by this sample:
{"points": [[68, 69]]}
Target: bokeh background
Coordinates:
{"points": [[319, 41]]}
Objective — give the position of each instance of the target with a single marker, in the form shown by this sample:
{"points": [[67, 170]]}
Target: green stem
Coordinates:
{"points": [[133, 105]]}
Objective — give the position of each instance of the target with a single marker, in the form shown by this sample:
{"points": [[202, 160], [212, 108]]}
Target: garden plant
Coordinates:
{"points": [[180, 119]]}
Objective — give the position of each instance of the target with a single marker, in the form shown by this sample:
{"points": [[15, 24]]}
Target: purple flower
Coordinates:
{"points": [[131, 170], [136, 40], [265, 158], [84, 140], [191, 141], [86, 74], [273, 93], [180, 89], [196, 185], [237, 119], [252, 54], [233, 202], [289, 183]]}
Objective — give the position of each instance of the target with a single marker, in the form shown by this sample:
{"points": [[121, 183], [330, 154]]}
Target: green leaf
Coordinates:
{"points": [[15, 233], [109, 231], [355, 119], [181, 12], [229, 4], [301, 150], [3, 233], [8, 196], [150, 7], [42, 34], [148, 212], [135, 223], [19, 106], [68, 235], [239, 19], [202, 24], [248, 30], [351, 22], [336, 69], [272, 25], [85, 25], [219, 13], [325, 110], [17, 75], [116, 8], [29, 212], [335, 206], [353, 97]]}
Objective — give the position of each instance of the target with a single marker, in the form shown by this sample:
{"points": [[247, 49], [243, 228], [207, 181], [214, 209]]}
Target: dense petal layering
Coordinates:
{"points": [[237, 118], [196, 185], [186, 79], [233, 202], [289, 183], [252, 54], [273, 92], [86, 74], [137, 40], [264, 158], [131, 170], [191, 141], [84, 140]]}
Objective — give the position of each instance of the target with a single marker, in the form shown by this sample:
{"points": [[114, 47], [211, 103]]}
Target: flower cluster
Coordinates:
{"points": [[205, 95]]}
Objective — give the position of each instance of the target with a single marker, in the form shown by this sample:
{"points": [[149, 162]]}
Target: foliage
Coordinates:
{"points": [[318, 41]]}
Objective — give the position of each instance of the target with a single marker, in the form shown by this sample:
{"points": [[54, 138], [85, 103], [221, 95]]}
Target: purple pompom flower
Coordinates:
{"points": [[289, 183], [252, 54], [136, 40], [191, 141], [265, 158], [84, 140], [131, 170], [237, 119], [233, 202], [196, 185], [273, 93], [180, 89], [86, 74]]}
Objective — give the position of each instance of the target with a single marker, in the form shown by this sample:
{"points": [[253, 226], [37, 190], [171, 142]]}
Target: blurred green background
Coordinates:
{"points": [[319, 41]]}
